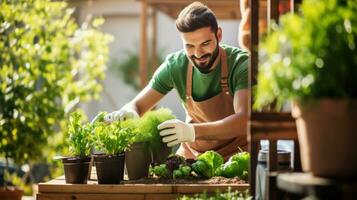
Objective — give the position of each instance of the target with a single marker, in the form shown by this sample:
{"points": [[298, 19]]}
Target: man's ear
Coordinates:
{"points": [[219, 34]]}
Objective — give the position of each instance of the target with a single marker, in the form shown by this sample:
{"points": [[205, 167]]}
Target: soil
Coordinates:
{"points": [[190, 180]]}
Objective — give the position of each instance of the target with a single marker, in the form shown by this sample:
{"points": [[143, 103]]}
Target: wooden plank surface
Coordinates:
{"points": [[92, 187]]}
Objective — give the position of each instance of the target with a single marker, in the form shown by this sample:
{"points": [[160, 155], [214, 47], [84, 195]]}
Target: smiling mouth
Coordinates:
{"points": [[201, 59]]}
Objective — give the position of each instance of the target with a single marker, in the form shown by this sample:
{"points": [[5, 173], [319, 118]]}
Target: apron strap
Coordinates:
{"points": [[224, 73]]}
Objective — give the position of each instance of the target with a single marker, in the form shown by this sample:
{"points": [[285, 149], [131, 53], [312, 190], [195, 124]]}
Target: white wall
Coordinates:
{"points": [[122, 20]]}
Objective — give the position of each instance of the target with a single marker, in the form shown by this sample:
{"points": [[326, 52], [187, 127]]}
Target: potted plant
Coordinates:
{"points": [[148, 124], [147, 146], [311, 59], [76, 167], [138, 157], [113, 140]]}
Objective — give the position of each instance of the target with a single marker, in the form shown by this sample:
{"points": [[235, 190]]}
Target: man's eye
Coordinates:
{"points": [[205, 44]]}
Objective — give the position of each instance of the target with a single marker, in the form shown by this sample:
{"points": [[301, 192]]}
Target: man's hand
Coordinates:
{"points": [[121, 115], [175, 131]]}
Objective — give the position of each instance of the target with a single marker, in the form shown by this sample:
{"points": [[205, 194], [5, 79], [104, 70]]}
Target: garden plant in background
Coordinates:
{"points": [[48, 64], [128, 68], [311, 59]]}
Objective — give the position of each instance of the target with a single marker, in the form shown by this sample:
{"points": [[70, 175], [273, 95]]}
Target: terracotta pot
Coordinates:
{"points": [[327, 132], [137, 161], [110, 168], [11, 193], [76, 169]]}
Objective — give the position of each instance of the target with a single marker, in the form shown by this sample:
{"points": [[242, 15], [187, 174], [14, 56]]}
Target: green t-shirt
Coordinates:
{"points": [[172, 73]]}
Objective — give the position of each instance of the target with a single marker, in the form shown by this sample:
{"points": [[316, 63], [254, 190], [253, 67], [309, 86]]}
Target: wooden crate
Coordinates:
{"points": [[57, 189]]}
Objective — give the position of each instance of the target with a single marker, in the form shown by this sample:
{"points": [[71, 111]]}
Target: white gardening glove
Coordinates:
{"points": [[121, 115], [175, 131]]}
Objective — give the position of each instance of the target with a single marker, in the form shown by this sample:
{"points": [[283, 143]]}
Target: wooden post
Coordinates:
{"points": [[154, 40], [143, 44], [273, 12], [252, 72]]}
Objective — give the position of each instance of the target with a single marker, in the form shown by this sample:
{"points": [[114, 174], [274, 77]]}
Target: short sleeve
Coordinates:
{"points": [[161, 81], [240, 74]]}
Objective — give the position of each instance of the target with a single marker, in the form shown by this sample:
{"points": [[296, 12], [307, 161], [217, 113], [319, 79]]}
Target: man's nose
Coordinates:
{"points": [[198, 53]]}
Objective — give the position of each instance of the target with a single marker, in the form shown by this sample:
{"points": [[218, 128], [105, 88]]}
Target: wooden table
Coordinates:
{"points": [[58, 189]]}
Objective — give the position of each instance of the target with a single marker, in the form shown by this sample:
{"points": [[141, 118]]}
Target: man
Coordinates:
{"points": [[211, 80]]}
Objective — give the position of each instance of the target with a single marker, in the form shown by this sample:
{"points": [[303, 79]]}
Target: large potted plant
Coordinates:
{"points": [[113, 140], [148, 124], [44, 74], [311, 59], [138, 157], [147, 146], [76, 167]]}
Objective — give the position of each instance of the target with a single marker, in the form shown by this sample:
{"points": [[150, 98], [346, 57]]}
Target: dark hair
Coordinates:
{"points": [[196, 16]]}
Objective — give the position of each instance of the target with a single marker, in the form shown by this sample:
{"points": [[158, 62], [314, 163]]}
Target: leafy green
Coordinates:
{"points": [[112, 138], [311, 55], [80, 136], [207, 163], [237, 165], [160, 171]]}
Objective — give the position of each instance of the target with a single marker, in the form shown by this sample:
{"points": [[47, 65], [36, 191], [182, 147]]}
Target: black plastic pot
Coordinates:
{"points": [[76, 169], [110, 168], [160, 154], [137, 161]]}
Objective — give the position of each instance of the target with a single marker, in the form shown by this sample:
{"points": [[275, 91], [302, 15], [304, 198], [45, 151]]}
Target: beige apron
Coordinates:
{"points": [[213, 109]]}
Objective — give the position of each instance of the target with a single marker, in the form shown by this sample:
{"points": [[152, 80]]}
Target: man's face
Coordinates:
{"points": [[202, 47]]}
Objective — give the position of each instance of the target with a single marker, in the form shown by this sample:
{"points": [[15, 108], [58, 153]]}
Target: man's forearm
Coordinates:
{"points": [[229, 127]]}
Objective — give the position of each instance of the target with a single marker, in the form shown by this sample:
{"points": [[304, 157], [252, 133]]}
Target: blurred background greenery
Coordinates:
{"points": [[48, 64]]}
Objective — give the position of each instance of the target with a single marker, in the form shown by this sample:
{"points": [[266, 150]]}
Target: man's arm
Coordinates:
{"points": [[145, 100], [230, 126]]}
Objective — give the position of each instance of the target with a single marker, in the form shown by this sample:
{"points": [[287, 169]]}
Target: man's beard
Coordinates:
{"points": [[202, 67]]}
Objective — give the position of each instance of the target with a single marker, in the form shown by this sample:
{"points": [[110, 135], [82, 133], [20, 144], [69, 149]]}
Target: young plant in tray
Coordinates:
{"points": [[175, 167], [113, 140], [80, 144]]}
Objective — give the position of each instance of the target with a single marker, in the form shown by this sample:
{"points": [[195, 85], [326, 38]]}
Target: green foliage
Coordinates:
{"points": [[236, 166], [80, 136], [149, 122], [229, 195], [112, 138], [128, 69], [207, 163], [17, 182], [160, 171], [47, 66], [310, 56]]}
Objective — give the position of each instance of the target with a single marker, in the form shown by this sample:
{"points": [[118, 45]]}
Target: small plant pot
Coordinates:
{"points": [[137, 161], [110, 168], [76, 169]]}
